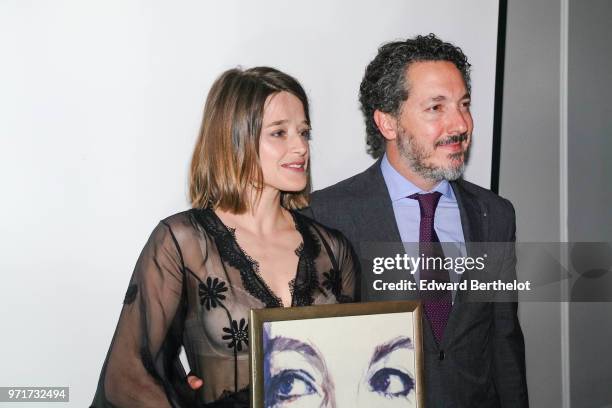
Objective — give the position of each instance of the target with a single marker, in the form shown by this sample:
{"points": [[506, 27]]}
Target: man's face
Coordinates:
{"points": [[435, 125]]}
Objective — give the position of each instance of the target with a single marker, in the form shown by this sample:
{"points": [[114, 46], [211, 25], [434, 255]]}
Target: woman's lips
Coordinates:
{"points": [[297, 166]]}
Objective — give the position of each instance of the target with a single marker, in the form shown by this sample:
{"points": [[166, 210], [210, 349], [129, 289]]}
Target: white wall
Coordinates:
{"points": [[100, 103]]}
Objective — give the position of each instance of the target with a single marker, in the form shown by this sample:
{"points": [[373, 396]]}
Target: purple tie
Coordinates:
{"points": [[437, 304]]}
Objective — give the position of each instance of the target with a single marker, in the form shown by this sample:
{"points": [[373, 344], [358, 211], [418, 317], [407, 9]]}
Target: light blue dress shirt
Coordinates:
{"points": [[447, 220]]}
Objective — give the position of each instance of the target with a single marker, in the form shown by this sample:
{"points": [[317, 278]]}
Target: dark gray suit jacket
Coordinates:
{"points": [[481, 359]]}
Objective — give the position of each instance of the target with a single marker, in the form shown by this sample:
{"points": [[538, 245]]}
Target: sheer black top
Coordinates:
{"points": [[193, 286]]}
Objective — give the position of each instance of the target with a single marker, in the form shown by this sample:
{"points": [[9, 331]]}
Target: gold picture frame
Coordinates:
{"points": [[287, 359]]}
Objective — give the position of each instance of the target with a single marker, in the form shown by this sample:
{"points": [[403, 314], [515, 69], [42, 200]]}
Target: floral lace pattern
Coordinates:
{"points": [[301, 286], [193, 287]]}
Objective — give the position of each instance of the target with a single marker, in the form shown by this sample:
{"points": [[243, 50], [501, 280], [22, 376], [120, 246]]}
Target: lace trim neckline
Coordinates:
{"points": [[236, 256], [256, 268]]}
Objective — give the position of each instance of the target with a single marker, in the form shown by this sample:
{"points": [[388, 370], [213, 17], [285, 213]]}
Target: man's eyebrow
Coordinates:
{"points": [[438, 98], [441, 98], [387, 348]]}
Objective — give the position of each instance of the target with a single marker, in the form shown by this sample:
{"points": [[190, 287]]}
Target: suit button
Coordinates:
{"points": [[441, 356]]}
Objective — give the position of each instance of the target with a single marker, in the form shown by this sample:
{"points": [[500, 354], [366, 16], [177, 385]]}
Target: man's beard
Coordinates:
{"points": [[416, 156]]}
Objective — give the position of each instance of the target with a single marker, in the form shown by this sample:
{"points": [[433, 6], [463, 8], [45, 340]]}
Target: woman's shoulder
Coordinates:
{"points": [[179, 222], [186, 225]]}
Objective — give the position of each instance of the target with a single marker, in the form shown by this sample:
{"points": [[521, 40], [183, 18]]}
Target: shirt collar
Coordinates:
{"points": [[400, 187]]}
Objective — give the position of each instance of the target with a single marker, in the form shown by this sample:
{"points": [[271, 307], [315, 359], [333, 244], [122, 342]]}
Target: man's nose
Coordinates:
{"points": [[458, 122]]}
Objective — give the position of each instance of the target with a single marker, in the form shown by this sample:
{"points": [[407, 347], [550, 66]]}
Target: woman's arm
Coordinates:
{"points": [[350, 270], [142, 368]]}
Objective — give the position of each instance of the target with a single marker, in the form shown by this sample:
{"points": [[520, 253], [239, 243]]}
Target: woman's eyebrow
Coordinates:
{"points": [[276, 123], [282, 122], [385, 349], [281, 343]]}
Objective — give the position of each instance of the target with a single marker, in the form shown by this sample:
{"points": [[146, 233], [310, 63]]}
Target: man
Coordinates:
{"points": [[416, 103]]}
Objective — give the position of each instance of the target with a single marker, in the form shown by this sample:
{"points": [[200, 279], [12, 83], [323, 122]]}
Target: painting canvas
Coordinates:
{"points": [[354, 355]]}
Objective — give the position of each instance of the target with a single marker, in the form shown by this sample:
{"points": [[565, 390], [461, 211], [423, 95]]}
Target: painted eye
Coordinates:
{"points": [[289, 385], [306, 134], [391, 382]]}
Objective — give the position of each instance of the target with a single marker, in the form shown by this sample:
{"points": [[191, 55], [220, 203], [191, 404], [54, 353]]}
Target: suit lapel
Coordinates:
{"points": [[376, 209], [475, 230], [375, 224], [471, 211], [375, 219], [375, 216]]}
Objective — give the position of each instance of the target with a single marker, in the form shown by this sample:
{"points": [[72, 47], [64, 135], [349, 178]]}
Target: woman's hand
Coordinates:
{"points": [[194, 382]]}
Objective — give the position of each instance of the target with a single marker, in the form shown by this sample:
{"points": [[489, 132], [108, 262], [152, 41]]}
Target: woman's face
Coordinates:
{"points": [[283, 143], [364, 361]]}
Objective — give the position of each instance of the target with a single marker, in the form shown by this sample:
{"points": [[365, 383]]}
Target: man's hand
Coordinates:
{"points": [[194, 382]]}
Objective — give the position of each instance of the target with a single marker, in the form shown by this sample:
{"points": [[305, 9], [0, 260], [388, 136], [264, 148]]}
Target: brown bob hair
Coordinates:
{"points": [[225, 160]]}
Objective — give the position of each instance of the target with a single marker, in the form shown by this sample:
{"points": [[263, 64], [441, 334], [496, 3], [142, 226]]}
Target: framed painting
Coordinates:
{"points": [[357, 355]]}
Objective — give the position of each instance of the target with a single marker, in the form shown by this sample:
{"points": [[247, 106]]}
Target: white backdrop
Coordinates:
{"points": [[100, 104]]}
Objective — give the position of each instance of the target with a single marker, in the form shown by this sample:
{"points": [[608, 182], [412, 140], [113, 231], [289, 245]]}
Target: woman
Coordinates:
{"points": [[242, 246]]}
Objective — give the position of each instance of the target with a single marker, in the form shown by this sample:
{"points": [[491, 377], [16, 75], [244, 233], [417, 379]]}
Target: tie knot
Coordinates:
{"points": [[427, 202]]}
